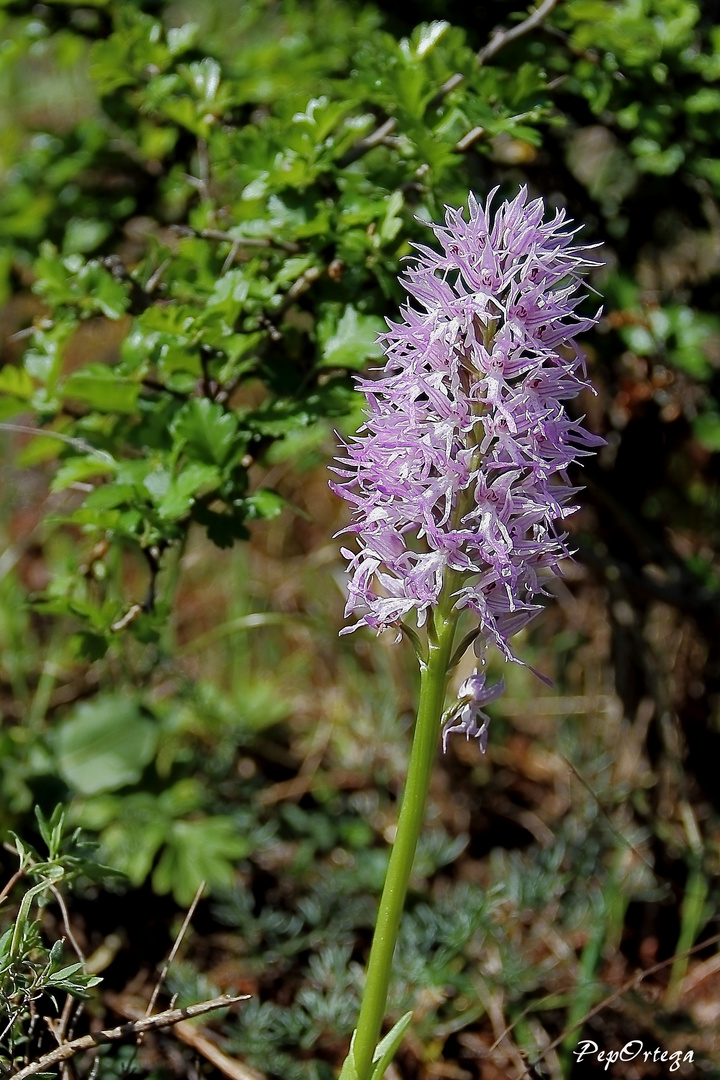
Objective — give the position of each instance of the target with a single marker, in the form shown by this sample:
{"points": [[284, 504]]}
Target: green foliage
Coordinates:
{"points": [[249, 248], [248, 259], [626, 47], [32, 972], [383, 1055], [170, 829], [458, 942]]}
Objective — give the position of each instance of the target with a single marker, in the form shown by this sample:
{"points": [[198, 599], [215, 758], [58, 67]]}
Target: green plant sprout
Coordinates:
{"points": [[29, 969]]}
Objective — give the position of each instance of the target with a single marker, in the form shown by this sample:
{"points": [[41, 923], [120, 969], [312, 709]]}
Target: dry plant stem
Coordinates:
{"points": [[66, 923], [176, 946], [7, 889], [240, 241], [425, 742], [125, 1031], [501, 37], [189, 1033]]}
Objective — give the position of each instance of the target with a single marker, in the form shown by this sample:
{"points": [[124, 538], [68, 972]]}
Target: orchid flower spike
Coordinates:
{"points": [[458, 477]]}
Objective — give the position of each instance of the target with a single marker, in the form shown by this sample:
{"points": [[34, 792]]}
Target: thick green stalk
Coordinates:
{"points": [[433, 682]]}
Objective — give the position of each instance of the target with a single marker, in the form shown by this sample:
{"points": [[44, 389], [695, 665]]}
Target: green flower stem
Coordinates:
{"points": [[433, 682]]}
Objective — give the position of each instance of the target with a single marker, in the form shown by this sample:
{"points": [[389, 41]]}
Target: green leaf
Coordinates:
{"points": [[105, 745], [387, 1048], [383, 1054], [352, 341], [65, 972], [16, 382], [206, 430], [265, 503], [109, 496], [232, 286], [134, 828], [45, 357], [199, 850], [427, 35], [102, 388], [51, 831], [85, 235], [195, 479], [75, 283], [77, 469], [392, 222], [205, 75], [77, 985], [11, 406], [90, 646], [181, 38], [349, 1069], [57, 950]]}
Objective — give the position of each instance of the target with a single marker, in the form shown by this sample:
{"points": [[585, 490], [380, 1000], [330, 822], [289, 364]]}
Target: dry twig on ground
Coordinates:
{"points": [[128, 1031]]}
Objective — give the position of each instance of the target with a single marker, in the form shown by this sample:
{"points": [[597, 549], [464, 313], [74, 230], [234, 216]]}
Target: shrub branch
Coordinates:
{"points": [[123, 1032]]}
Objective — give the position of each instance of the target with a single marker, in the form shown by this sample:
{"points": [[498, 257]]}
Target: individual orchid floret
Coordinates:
{"points": [[466, 716], [457, 480]]}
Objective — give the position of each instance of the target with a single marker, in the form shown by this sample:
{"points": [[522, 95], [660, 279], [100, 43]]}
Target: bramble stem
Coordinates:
{"points": [[433, 682]]}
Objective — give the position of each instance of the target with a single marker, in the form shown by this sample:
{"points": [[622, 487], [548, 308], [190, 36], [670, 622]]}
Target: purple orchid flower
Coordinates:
{"points": [[458, 477]]}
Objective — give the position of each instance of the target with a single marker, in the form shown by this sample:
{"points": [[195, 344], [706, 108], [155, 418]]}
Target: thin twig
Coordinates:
{"points": [[57, 1029], [375, 138], [78, 444], [192, 1036], [493, 1008], [66, 923], [60, 1027], [95, 1068], [176, 946], [203, 169], [501, 37], [230, 257], [20, 335], [156, 276], [139, 299], [615, 831], [241, 241], [153, 384], [234, 1070], [8, 886], [464, 144], [133, 612], [131, 1030], [301, 285], [699, 974], [153, 557], [273, 335]]}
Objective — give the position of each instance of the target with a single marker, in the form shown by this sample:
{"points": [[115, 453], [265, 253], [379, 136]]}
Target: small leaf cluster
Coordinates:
{"points": [[32, 973], [113, 754]]}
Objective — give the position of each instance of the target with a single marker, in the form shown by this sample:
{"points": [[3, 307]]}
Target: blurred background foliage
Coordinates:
{"points": [[203, 210]]}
